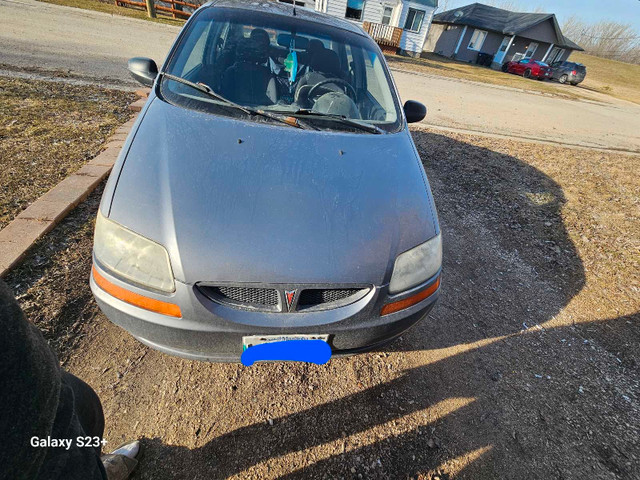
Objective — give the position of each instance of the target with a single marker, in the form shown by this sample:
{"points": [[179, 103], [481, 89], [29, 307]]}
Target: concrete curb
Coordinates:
{"points": [[47, 211]]}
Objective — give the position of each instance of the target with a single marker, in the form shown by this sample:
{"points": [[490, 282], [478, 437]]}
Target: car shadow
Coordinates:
{"points": [[492, 385]]}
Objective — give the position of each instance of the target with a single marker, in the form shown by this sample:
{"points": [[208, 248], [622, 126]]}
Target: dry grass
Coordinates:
{"points": [[47, 131], [618, 79], [113, 10]]}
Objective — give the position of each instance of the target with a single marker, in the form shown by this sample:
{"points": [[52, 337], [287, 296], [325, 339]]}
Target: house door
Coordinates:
{"points": [[499, 56], [533, 46], [555, 54]]}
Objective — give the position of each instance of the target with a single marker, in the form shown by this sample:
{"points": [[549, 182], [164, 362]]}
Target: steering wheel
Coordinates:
{"points": [[348, 87]]}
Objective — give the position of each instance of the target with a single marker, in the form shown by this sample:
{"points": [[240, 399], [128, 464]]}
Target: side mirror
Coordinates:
{"points": [[414, 111], [144, 70]]}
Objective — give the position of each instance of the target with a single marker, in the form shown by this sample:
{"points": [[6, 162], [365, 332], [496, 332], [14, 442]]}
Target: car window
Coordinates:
{"points": [[198, 41], [524, 60], [280, 64]]}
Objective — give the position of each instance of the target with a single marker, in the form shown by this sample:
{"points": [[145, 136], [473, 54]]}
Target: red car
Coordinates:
{"points": [[528, 68]]}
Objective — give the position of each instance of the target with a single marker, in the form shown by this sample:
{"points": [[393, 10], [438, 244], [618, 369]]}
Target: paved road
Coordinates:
{"points": [[36, 34], [98, 45]]}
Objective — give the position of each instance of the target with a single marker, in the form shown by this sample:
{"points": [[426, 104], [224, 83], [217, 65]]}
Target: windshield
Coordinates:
{"points": [[283, 65]]}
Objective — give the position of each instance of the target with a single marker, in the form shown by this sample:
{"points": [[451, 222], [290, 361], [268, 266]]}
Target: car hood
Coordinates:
{"points": [[242, 201]]}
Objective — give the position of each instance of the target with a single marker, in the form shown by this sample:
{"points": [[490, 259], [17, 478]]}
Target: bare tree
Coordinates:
{"points": [[605, 39]]}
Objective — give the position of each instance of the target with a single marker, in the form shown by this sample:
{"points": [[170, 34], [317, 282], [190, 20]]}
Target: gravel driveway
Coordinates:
{"points": [[527, 367], [94, 44]]}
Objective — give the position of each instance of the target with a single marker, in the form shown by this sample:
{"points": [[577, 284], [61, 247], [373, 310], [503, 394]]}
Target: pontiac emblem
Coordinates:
{"points": [[289, 295]]}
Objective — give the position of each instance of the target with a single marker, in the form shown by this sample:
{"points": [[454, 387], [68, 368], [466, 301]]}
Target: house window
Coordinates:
{"points": [[477, 40], [531, 49], [414, 20], [293, 2], [354, 9], [386, 15]]}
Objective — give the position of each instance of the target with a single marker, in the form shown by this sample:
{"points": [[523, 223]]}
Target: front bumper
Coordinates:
{"points": [[213, 332]]}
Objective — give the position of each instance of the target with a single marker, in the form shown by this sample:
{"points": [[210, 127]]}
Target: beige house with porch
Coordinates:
{"points": [[401, 25]]}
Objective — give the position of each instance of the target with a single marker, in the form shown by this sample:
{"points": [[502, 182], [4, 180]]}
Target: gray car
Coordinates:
{"points": [[269, 192], [568, 72]]}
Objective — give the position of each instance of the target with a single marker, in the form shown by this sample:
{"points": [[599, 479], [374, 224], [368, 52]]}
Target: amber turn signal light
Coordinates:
{"points": [[412, 300], [135, 299]]}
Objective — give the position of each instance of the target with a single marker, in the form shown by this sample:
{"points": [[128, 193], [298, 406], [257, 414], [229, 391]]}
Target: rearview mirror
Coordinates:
{"points": [[144, 70], [299, 43], [414, 111]]}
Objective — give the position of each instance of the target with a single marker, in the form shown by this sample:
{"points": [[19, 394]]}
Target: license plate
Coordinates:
{"points": [[258, 339]]}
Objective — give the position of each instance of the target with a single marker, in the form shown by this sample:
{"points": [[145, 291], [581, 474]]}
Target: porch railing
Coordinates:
{"points": [[387, 36]]}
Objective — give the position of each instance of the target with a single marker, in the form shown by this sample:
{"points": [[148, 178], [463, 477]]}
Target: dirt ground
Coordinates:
{"points": [[48, 131], [527, 367]]}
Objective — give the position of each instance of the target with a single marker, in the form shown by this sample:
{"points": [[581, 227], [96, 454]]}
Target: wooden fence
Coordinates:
{"points": [[175, 9]]}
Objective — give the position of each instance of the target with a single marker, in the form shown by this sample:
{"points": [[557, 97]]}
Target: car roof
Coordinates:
{"points": [[285, 9]]}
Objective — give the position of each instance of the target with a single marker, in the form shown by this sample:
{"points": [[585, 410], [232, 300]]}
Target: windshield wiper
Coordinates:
{"points": [[340, 119], [204, 88]]}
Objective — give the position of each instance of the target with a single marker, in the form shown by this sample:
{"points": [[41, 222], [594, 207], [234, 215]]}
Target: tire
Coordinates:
{"points": [[563, 78], [541, 79], [527, 73], [574, 83], [505, 67]]}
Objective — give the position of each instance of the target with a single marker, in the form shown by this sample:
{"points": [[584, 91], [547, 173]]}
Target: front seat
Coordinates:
{"points": [[249, 81]]}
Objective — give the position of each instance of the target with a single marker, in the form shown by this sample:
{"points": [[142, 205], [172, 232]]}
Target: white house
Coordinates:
{"points": [[412, 16]]}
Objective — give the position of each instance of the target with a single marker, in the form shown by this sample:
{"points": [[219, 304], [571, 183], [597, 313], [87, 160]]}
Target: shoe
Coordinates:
{"points": [[121, 463], [130, 450]]}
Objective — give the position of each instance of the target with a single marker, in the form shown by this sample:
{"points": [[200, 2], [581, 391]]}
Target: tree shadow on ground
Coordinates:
{"points": [[491, 392]]}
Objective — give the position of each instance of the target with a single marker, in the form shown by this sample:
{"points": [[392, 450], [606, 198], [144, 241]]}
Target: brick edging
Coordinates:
{"points": [[47, 211]]}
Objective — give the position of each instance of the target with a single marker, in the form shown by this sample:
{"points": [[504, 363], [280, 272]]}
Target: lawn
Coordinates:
{"points": [[47, 131], [621, 80]]}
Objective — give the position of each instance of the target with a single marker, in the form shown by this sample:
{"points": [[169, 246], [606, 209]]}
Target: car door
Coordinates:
{"points": [[520, 66]]}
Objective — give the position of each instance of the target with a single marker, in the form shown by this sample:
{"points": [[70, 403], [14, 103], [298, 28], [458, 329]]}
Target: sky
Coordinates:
{"points": [[623, 11]]}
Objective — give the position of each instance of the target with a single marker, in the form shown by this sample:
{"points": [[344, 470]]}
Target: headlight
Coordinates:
{"points": [[132, 256], [416, 265]]}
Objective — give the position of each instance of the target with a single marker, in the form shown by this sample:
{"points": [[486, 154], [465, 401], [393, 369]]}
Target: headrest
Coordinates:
{"points": [[261, 36], [326, 61], [315, 45], [251, 50]]}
